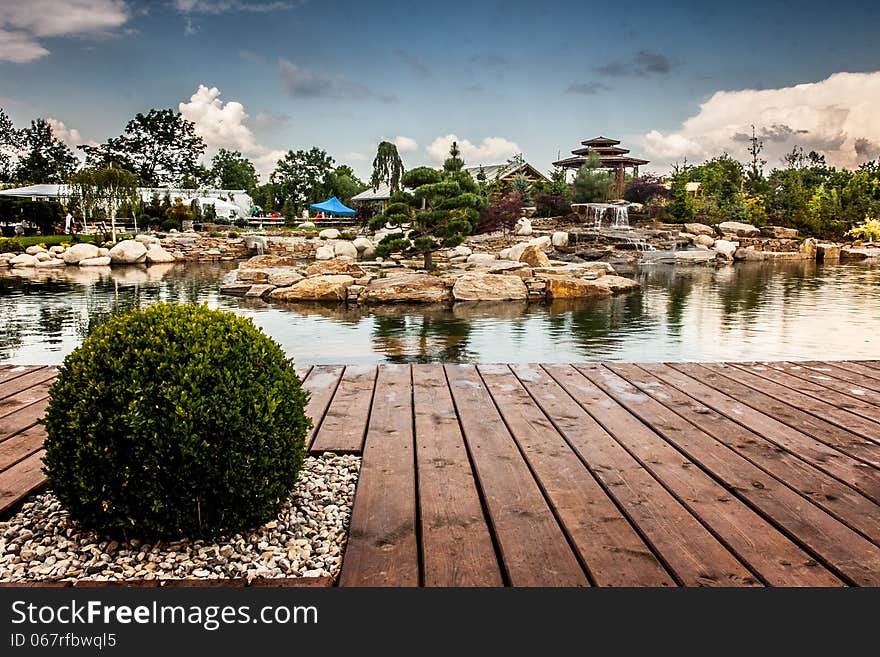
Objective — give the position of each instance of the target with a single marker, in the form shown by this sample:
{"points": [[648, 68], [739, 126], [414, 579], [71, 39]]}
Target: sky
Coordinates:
{"points": [[671, 80]]}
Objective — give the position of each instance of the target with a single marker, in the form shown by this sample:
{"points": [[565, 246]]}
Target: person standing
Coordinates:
{"points": [[68, 223]]}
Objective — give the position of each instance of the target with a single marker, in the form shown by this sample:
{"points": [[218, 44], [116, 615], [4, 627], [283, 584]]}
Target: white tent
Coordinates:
{"points": [[221, 208]]}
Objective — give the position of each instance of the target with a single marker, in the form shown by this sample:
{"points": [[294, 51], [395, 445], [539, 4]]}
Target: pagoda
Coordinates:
{"points": [[610, 155]]}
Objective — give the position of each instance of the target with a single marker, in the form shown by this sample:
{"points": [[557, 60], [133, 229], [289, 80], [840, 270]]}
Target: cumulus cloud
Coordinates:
{"points": [[223, 124], [587, 88], [22, 24], [835, 116], [405, 144], [302, 83], [492, 150], [643, 64], [69, 136], [225, 6]]}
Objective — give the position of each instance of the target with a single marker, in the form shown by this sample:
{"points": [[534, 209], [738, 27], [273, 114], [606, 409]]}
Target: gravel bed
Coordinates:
{"points": [[306, 540]]}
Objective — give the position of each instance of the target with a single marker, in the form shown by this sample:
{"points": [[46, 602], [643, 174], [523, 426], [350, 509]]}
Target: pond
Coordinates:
{"points": [[754, 311]]}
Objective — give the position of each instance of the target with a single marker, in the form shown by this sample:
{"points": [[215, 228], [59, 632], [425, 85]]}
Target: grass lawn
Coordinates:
{"points": [[21, 243]]}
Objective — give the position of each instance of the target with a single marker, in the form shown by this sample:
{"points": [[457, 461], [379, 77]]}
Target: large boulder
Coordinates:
{"points": [[704, 240], [306, 224], [324, 253], [283, 277], [460, 251], [523, 226], [510, 268], [344, 248], [316, 288], [481, 259], [148, 240], [565, 287], [489, 287], [265, 261], [51, 262], [24, 260], [157, 255], [779, 232], [329, 234], [808, 248], [749, 255], [738, 229], [699, 229], [559, 239], [341, 265], [534, 257], [407, 288], [701, 257], [543, 242], [826, 251], [618, 284], [34, 250], [78, 252], [100, 261], [363, 244], [725, 248], [128, 252]]}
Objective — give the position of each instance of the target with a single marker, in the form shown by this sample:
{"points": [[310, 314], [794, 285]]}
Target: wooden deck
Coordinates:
{"points": [[679, 474]]}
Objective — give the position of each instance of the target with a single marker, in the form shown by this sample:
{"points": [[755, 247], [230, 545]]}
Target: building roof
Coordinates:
{"points": [[601, 141], [494, 172], [382, 193], [611, 150], [33, 191]]}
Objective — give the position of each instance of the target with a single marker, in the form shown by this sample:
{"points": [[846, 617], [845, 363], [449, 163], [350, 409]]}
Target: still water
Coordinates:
{"points": [[752, 311]]}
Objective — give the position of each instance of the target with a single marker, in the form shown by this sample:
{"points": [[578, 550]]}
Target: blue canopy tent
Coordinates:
{"points": [[332, 206]]}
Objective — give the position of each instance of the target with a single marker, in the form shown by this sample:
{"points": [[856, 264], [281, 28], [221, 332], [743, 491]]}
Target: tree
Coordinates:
{"points": [[159, 146], [343, 183], [450, 205], [10, 144], [230, 170], [300, 176], [645, 188], [680, 207], [522, 185], [387, 167], [591, 184], [501, 214], [45, 158], [108, 189]]}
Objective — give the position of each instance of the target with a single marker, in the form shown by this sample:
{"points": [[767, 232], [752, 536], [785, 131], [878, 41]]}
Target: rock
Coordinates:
{"points": [[265, 261], [363, 244], [284, 277], [779, 232], [564, 287], [543, 242], [808, 249], [156, 254], [699, 229], [306, 224], [148, 240], [504, 254], [489, 287], [329, 234], [128, 252], [407, 288], [481, 259], [514, 252], [316, 288], [57, 249], [235, 289], [704, 240], [460, 251], [523, 226], [24, 260], [510, 268], [559, 239], [100, 261], [618, 284], [749, 254], [859, 252], [252, 276], [694, 257], [78, 252], [534, 257], [34, 250], [344, 248], [259, 290], [42, 256], [103, 252], [826, 251], [340, 265], [324, 253], [725, 248], [49, 263], [578, 269], [738, 229]]}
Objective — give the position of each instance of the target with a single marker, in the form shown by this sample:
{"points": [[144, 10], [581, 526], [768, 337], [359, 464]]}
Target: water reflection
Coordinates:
{"points": [[752, 311]]}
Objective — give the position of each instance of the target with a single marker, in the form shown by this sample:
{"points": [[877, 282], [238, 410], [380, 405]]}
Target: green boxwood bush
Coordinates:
{"points": [[175, 421]]}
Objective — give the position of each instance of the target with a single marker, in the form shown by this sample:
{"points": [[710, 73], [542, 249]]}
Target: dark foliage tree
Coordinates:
{"points": [[592, 184], [10, 143], [343, 184], [680, 206], [45, 158], [646, 188], [501, 214], [387, 167], [231, 170], [300, 177]]}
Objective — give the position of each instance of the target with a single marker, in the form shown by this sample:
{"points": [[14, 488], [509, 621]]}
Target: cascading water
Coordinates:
{"points": [[597, 212]]}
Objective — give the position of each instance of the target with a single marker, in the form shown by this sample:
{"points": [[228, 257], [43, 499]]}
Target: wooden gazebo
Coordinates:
{"points": [[610, 155]]}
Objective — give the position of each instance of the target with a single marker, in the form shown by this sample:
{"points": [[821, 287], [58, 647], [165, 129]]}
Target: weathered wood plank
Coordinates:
{"points": [[24, 398], [321, 382], [871, 375], [828, 412], [614, 554], [21, 446], [825, 432], [302, 371], [22, 418], [841, 371], [21, 480], [533, 547], [346, 419], [846, 504], [14, 371], [456, 542], [41, 377], [754, 540], [382, 548], [842, 549]]}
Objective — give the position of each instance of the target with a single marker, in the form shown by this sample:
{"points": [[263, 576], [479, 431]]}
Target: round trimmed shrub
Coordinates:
{"points": [[175, 421]]}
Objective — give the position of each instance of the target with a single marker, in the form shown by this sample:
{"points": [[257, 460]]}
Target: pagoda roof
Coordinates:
{"points": [[602, 150], [606, 161], [601, 141]]}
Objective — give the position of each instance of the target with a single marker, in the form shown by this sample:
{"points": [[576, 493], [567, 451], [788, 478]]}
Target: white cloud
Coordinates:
{"points": [[23, 23], [405, 144], [223, 125], [492, 150], [355, 157], [836, 116], [69, 136], [224, 6]]}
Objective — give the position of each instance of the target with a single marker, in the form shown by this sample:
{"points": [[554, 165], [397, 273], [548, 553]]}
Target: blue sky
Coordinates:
{"points": [[526, 76]]}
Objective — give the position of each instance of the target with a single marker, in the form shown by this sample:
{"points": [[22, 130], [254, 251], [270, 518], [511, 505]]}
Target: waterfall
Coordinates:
{"points": [[619, 214]]}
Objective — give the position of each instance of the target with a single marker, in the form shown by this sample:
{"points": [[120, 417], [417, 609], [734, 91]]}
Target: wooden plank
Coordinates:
{"points": [[291, 582], [302, 371], [15, 371], [344, 423], [382, 547], [824, 411], [41, 377], [825, 432], [769, 553], [21, 446], [871, 375], [823, 390], [456, 543], [21, 480], [841, 371], [851, 471], [870, 364], [685, 546], [612, 551], [841, 548], [24, 398], [321, 382], [22, 419], [533, 547], [846, 504]]}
